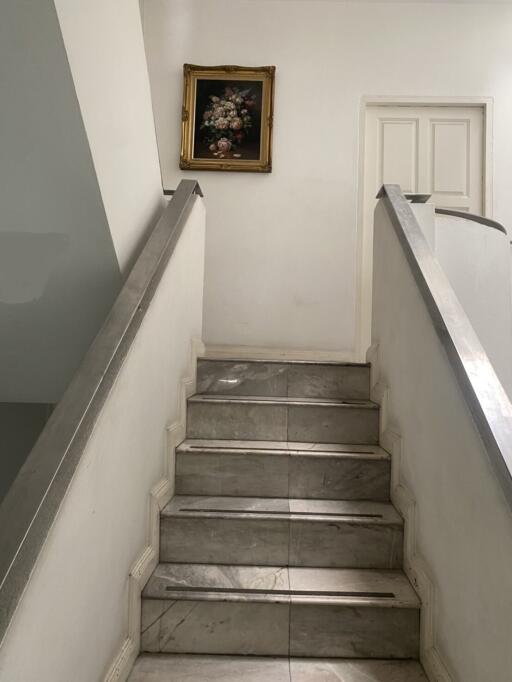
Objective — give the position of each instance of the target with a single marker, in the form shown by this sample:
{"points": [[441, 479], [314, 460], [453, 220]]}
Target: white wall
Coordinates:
{"points": [[281, 249], [461, 527], [476, 260], [72, 618], [105, 48]]}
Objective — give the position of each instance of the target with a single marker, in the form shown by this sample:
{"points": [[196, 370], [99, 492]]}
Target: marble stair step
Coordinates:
{"points": [[197, 668], [282, 469], [295, 379], [314, 420], [281, 532], [276, 611]]}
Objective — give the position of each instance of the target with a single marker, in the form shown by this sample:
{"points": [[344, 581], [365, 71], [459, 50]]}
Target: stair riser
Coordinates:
{"points": [[302, 423], [279, 629], [354, 632], [262, 475], [280, 542], [282, 380], [215, 627]]}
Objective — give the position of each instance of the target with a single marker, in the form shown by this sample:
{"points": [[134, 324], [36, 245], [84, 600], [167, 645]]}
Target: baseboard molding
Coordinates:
{"points": [[225, 352], [415, 565], [159, 496]]}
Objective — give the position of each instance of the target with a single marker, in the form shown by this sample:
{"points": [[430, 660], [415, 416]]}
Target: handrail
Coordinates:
{"points": [[473, 217], [33, 501], [482, 390]]}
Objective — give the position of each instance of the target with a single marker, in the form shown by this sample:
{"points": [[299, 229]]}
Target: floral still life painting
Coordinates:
{"points": [[227, 118]]}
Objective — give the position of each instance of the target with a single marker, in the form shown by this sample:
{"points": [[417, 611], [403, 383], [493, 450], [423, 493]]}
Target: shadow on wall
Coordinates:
{"points": [[20, 426], [26, 262], [54, 297]]}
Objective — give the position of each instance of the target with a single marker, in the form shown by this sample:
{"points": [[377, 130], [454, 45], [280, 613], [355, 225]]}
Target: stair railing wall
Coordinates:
{"points": [[476, 260], [76, 517], [455, 422]]}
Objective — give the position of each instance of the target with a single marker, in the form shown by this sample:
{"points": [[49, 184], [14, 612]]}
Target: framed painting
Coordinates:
{"points": [[227, 118]]}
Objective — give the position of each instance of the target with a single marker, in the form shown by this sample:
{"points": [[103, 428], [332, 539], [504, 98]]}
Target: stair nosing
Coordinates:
{"points": [[289, 595], [291, 516], [187, 447], [332, 363], [343, 403], [364, 512]]}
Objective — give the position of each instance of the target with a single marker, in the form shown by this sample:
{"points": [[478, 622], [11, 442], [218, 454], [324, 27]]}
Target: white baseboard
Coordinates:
{"points": [[415, 565], [159, 496], [225, 352]]}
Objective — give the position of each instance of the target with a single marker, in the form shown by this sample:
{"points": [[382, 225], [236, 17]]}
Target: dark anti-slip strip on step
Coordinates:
{"points": [[277, 593], [228, 449], [257, 512]]}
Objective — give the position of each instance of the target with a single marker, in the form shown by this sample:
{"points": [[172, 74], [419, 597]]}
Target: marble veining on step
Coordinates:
{"points": [[281, 542], [274, 469], [289, 419], [243, 530], [175, 577], [215, 627], [283, 379]]}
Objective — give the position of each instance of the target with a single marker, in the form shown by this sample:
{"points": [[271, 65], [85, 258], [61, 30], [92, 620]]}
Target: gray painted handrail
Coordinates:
{"points": [[473, 217], [33, 501], [485, 397]]}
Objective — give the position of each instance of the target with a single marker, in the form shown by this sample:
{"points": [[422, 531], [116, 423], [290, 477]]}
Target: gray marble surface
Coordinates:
{"points": [[283, 379], [236, 474], [281, 531], [245, 540], [215, 627], [277, 611], [355, 478], [344, 543], [332, 670], [187, 668], [225, 530], [183, 668], [290, 419], [319, 580], [169, 577], [333, 630], [326, 424], [236, 420], [282, 469]]}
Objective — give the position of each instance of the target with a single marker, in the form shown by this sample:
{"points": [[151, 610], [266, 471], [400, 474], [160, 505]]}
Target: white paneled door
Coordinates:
{"points": [[437, 150], [427, 150]]}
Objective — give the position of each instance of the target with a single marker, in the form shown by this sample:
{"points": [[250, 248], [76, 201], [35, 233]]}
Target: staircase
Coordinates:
{"points": [[281, 554]]}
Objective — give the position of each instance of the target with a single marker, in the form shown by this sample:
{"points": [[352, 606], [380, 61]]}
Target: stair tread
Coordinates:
{"points": [[201, 668], [340, 586], [287, 508], [280, 400], [272, 447]]}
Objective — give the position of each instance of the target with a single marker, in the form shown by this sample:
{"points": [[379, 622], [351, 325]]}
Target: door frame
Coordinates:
{"points": [[363, 307]]}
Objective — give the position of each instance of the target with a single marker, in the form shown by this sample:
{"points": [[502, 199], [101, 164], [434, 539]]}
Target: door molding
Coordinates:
{"points": [[367, 101]]}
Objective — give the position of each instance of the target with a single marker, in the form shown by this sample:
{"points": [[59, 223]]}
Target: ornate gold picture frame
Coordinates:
{"points": [[227, 118]]}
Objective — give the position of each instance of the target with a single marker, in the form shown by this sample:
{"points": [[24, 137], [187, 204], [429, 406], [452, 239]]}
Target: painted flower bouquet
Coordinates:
{"points": [[227, 120]]}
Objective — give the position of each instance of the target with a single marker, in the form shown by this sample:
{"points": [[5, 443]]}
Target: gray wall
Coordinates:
{"points": [[20, 426], [58, 269]]}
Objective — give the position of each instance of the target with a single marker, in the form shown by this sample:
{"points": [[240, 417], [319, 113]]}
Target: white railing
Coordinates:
{"points": [[447, 408]]}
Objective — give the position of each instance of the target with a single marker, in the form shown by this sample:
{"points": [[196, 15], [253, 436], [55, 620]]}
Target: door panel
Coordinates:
{"points": [[429, 150], [426, 150], [398, 153]]}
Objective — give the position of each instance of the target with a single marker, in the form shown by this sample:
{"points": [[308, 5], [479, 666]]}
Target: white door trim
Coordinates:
{"points": [[487, 105]]}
